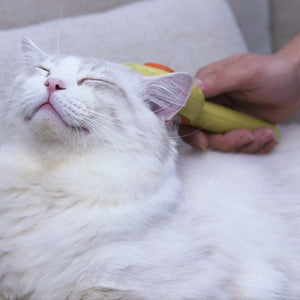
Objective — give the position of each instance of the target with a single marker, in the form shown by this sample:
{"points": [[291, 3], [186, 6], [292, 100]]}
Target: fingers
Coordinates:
{"points": [[261, 140], [233, 73], [264, 141], [231, 141], [240, 82]]}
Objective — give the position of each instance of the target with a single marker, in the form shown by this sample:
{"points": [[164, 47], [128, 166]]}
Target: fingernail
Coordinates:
{"points": [[198, 82], [268, 136], [199, 145], [202, 148], [244, 140]]}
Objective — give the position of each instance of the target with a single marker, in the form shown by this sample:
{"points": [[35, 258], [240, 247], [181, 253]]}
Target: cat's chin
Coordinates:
{"points": [[47, 116]]}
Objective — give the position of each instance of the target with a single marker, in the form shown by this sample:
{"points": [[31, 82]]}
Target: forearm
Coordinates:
{"points": [[292, 51]]}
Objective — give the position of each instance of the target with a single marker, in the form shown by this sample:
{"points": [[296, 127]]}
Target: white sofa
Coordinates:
{"points": [[184, 34]]}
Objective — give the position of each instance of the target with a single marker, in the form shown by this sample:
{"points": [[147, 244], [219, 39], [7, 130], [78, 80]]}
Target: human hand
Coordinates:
{"points": [[267, 87]]}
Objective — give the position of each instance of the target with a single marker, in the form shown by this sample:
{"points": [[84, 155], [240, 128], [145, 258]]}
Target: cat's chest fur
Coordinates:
{"points": [[71, 227]]}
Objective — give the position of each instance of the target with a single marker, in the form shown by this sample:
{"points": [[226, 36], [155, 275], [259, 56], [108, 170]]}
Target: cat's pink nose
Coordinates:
{"points": [[54, 84]]}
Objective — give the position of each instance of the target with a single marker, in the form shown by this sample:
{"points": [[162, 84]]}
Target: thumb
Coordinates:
{"points": [[227, 75]]}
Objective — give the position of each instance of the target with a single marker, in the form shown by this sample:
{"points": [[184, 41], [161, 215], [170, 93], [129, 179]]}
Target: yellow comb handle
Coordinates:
{"points": [[216, 118], [207, 115]]}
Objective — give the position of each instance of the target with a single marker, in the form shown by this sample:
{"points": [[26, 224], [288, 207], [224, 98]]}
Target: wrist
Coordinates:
{"points": [[286, 69], [291, 51]]}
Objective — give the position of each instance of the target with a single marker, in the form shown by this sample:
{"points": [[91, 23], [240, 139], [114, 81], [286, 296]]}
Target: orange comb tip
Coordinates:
{"points": [[159, 66], [184, 120]]}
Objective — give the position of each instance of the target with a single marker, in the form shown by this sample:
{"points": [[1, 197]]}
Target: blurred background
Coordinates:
{"points": [[266, 24]]}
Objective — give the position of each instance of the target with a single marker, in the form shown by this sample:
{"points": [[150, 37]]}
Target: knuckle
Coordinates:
{"points": [[222, 143], [215, 75]]}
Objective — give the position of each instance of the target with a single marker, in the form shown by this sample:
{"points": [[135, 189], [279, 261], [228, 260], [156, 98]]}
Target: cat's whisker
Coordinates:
{"points": [[58, 33], [103, 118], [79, 134], [124, 58], [88, 113], [96, 127], [101, 127]]}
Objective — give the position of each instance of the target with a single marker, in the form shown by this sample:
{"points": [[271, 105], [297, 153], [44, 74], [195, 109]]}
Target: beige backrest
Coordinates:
{"points": [[253, 18], [18, 13]]}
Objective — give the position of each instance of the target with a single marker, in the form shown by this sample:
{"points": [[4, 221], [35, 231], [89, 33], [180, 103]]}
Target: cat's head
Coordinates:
{"points": [[73, 102]]}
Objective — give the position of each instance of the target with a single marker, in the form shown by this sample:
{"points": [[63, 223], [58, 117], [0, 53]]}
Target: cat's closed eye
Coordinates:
{"points": [[93, 80], [43, 70]]}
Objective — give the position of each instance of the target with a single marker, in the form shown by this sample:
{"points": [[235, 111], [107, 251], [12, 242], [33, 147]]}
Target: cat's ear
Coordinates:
{"points": [[167, 94], [32, 53]]}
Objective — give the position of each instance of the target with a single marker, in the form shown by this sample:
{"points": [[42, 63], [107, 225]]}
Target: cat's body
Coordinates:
{"points": [[99, 212]]}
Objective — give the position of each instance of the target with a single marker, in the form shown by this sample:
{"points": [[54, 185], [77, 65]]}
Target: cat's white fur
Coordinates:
{"points": [[91, 206]]}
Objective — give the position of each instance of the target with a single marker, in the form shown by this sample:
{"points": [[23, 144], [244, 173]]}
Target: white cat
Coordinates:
{"points": [[91, 206]]}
